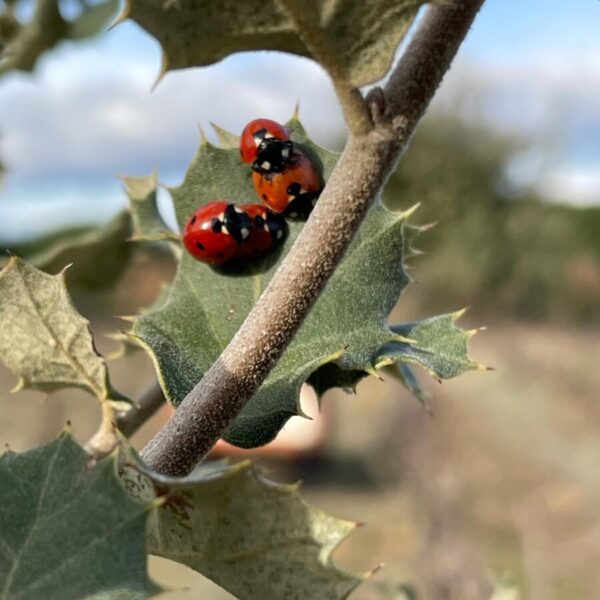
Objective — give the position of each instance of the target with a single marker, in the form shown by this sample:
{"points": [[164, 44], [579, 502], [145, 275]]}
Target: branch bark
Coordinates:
{"points": [[358, 177], [148, 404]]}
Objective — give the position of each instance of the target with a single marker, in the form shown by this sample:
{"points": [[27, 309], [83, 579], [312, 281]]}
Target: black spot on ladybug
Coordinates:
{"points": [[193, 220], [264, 197], [220, 255], [216, 225], [294, 189], [199, 246]]}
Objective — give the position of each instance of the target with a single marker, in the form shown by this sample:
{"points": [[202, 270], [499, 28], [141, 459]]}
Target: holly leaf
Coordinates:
{"points": [[354, 41], [206, 306], [436, 345], [68, 531], [148, 223], [253, 537], [43, 339]]}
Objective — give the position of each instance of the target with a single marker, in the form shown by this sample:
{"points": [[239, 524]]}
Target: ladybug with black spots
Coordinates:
{"points": [[267, 230], [221, 231], [266, 145], [214, 232], [292, 192]]}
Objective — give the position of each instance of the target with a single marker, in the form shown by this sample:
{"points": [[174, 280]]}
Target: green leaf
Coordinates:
{"points": [[355, 41], [206, 306], [68, 531], [99, 255], [436, 344], [93, 19], [331, 376], [147, 221], [255, 538], [43, 339]]}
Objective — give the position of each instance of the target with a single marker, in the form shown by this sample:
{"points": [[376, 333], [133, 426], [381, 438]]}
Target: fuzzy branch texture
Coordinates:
{"points": [[360, 174]]}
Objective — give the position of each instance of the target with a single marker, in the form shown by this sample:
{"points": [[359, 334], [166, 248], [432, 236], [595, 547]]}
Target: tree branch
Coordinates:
{"points": [[148, 404], [358, 177]]}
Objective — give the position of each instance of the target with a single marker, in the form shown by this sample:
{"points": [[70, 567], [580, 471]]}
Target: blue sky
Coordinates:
{"points": [[529, 68]]}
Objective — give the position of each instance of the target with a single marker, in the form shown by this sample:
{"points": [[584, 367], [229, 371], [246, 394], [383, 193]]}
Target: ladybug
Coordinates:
{"points": [[215, 231], [267, 229], [293, 192], [267, 145]]}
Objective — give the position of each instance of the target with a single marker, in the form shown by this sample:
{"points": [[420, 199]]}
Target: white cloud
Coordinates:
{"points": [[571, 184], [88, 114]]}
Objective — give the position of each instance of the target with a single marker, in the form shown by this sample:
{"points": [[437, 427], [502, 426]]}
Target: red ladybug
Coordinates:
{"points": [[267, 229], [266, 144], [215, 231], [292, 192]]}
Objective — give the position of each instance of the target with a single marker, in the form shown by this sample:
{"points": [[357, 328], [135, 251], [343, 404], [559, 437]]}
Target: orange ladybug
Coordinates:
{"points": [[294, 191]]}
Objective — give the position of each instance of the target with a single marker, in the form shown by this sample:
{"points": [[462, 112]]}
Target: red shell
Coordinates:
{"points": [[292, 191], [267, 230], [255, 132], [205, 236]]}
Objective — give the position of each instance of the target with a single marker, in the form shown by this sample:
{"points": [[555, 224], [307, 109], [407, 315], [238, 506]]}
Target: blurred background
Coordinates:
{"points": [[502, 485]]}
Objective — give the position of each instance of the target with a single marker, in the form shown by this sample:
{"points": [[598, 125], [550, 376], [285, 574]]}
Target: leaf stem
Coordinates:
{"points": [[360, 174], [351, 100], [105, 439]]}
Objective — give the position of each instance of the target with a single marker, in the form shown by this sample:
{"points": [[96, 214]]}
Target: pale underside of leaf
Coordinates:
{"points": [[68, 531], [43, 339], [147, 221], [255, 538], [354, 41]]}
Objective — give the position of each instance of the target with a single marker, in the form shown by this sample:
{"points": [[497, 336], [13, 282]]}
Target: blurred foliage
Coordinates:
{"points": [[495, 250], [99, 254], [22, 42]]}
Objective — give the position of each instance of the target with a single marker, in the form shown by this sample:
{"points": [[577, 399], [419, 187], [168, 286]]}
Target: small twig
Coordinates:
{"points": [[146, 407], [105, 439], [361, 172]]}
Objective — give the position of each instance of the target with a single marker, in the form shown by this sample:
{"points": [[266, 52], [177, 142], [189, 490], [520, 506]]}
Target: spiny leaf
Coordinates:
{"points": [[255, 538], [205, 306], [68, 531], [436, 344], [43, 339], [99, 254], [355, 41], [148, 224]]}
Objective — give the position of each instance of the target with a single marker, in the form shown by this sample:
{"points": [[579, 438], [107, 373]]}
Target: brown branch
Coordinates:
{"points": [[359, 175], [145, 408]]}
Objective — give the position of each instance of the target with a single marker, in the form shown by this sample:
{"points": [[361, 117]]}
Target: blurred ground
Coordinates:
{"points": [[503, 480]]}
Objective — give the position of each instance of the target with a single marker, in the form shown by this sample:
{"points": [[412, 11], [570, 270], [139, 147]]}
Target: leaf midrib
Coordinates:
{"points": [[75, 364]]}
